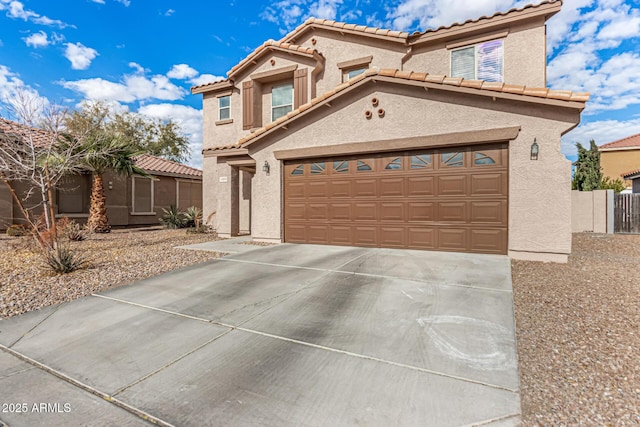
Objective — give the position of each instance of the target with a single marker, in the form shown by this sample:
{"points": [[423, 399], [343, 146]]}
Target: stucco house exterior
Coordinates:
{"points": [[634, 177], [131, 201], [446, 139], [619, 158]]}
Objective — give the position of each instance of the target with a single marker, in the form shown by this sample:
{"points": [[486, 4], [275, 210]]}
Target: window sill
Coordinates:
{"points": [[142, 213], [223, 122]]}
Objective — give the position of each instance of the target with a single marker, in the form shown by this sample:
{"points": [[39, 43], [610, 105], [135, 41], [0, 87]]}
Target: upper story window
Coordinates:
{"points": [[352, 73], [224, 107], [281, 100], [482, 61]]}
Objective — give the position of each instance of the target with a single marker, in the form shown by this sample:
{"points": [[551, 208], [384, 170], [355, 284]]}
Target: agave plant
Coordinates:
{"points": [[173, 218]]}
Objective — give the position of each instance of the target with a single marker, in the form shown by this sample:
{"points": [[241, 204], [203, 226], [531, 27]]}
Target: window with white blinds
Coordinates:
{"points": [[483, 61]]}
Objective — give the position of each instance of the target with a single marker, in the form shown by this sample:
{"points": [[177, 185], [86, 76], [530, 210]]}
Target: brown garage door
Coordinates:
{"points": [[445, 199]]}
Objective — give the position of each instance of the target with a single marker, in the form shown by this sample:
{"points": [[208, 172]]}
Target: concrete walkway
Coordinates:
{"points": [[282, 335]]}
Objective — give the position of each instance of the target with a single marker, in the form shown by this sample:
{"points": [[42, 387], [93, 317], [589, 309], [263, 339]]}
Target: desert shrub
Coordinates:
{"points": [[173, 218], [193, 216], [617, 185], [72, 231], [63, 260], [16, 230]]}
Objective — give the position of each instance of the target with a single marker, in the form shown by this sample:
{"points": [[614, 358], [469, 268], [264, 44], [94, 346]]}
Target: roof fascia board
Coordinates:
{"points": [[314, 26], [253, 58], [431, 141], [213, 87], [228, 152], [619, 149]]}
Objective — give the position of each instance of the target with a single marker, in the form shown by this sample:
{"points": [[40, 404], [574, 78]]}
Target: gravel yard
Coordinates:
{"points": [[578, 329], [115, 259]]}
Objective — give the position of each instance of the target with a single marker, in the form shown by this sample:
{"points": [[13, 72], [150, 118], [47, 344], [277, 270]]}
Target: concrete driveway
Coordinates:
{"points": [[284, 335]]}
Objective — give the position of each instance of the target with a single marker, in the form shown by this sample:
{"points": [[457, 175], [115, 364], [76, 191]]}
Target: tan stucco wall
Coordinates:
{"points": [[539, 191], [524, 56], [245, 201], [615, 163], [589, 211], [210, 191]]}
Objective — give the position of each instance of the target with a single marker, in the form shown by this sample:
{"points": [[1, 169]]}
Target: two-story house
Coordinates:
{"points": [[445, 139]]}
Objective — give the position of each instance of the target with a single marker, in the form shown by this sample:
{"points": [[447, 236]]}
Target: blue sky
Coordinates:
{"points": [[144, 56]]}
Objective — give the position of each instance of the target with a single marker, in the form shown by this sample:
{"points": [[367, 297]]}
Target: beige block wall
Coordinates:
{"points": [[540, 194], [524, 57], [590, 211], [615, 163]]}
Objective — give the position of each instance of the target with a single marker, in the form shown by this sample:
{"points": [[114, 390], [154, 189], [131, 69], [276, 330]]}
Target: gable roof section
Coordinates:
{"points": [[213, 86], [546, 8], [343, 27], [629, 143], [270, 46], [561, 98], [159, 166], [634, 174], [41, 137]]}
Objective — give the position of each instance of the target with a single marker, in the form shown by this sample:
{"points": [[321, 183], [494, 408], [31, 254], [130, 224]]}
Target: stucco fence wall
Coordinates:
{"points": [[592, 211]]}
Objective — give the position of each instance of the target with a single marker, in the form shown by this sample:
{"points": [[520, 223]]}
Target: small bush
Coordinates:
{"points": [[71, 230], [617, 185], [16, 230], [193, 217], [173, 218], [62, 260]]}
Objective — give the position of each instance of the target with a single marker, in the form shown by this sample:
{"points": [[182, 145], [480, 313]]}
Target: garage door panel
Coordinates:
{"points": [[421, 211], [418, 186], [488, 240], [365, 236], [295, 211], [339, 188], [317, 189], [295, 190], [390, 211], [421, 238], [365, 211], [365, 188], [392, 237], [452, 185], [319, 211], [340, 235], [392, 187], [488, 184], [488, 211], [452, 239], [452, 211], [340, 211], [412, 199]]}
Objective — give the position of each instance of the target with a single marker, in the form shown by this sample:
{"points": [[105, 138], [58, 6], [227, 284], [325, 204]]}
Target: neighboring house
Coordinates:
{"points": [[350, 135], [634, 177], [619, 157], [130, 201]]}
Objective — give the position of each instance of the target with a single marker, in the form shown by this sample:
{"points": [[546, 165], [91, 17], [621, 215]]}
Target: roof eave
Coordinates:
{"points": [[298, 33], [213, 87]]}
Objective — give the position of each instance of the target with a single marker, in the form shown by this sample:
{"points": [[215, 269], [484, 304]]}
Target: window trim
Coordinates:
{"points": [[133, 195], [475, 56], [283, 105]]}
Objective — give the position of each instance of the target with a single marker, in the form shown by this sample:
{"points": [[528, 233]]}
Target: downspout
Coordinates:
{"points": [[316, 71]]}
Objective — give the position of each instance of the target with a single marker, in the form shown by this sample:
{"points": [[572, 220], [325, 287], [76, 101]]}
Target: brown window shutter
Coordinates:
{"points": [[299, 87], [247, 105]]}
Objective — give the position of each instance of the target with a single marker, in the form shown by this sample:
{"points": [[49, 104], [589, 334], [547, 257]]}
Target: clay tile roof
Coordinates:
{"points": [[211, 86], [484, 18], [153, 164], [479, 85], [270, 44], [41, 137], [632, 141], [315, 22], [630, 174]]}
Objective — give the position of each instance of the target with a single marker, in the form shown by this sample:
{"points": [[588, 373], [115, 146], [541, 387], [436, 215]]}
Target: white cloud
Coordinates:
{"points": [[189, 119], [289, 13], [204, 79], [10, 83], [182, 72], [15, 9], [80, 55], [132, 88], [39, 39], [325, 9], [139, 68], [124, 2], [169, 12], [601, 132]]}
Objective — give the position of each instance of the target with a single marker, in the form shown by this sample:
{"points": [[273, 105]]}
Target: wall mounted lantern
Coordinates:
{"points": [[535, 149], [266, 168]]}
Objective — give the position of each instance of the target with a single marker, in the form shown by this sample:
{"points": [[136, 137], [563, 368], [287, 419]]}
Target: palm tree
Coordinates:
{"points": [[101, 155]]}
